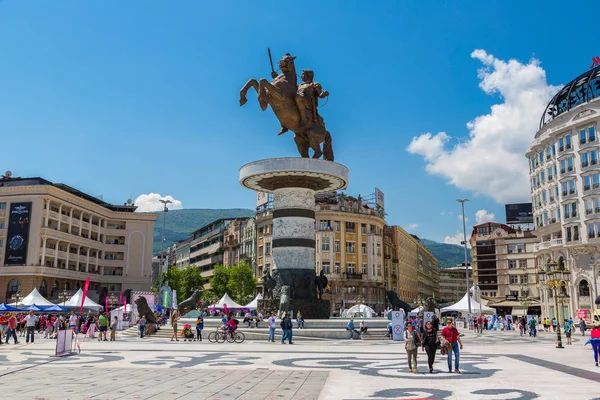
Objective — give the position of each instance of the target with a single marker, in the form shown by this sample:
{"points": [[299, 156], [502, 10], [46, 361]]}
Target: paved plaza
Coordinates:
{"points": [[495, 365]]}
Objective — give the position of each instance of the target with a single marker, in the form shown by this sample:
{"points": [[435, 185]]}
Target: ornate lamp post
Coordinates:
{"points": [[555, 277], [16, 297], [113, 299], [64, 296]]}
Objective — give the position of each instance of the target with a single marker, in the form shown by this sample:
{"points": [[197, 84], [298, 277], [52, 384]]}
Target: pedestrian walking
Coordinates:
{"points": [[568, 331], [271, 322], [582, 326], [142, 323], [533, 327], [12, 328], [411, 344], [199, 327], [429, 343], [553, 324], [595, 339], [3, 327], [30, 321], [452, 337], [286, 326], [174, 319]]}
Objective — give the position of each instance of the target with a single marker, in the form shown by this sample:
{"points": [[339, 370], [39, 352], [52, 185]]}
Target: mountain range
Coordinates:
{"points": [[180, 223]]}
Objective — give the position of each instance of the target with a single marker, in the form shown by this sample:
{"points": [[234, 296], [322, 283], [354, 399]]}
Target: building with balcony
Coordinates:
{"points": [[565, 188], [264, 238], [53, 237], [453, 283], [234, 240], [504, 266], [206, 247], [349, 249]]}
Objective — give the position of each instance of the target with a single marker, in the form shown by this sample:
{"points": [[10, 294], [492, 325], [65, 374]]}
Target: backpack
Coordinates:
{"points": [[282, 324]]}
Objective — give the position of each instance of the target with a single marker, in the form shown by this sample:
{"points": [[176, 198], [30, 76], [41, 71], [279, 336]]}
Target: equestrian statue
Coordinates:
{"points": [[295, 106]]}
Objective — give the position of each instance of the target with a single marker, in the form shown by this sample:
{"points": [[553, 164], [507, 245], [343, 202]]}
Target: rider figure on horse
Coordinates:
{"points": [[307, 100]]}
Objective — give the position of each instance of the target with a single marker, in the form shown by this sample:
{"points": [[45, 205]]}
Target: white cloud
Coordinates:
{"points": [[151, 202], [446, 213], [459, 217], [482, 216], [456, 239], [491, 160], [412, 226]]}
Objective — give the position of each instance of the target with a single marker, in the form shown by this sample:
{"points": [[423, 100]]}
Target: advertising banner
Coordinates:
{"points": [[398, 325], [521, 213], [64, 341], [427, 317], [18, 234]]}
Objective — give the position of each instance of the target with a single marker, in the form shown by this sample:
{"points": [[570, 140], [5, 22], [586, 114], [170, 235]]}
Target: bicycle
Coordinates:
{"points": [[237, 337], [217, 336]]}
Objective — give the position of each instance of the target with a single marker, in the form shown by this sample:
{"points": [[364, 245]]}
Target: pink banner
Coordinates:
{"points": [[120, 299], [86, 286], [125, 304], [106, 303]]}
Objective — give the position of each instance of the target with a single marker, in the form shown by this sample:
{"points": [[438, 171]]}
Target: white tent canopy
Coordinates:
{"points": [[125, 308], [366, 311], [226, 300], [33, 298], [253, 305], [417, 310], [463, 306], [75, 302]]}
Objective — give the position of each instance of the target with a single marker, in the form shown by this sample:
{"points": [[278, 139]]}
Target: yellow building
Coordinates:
{"points": [[349, 249], [52, 237], [418, 276]]}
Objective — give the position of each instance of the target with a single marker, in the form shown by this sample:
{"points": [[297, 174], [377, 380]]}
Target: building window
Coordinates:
{"points": [[591, 134], [336, 246], [584, 288], [523, 264], [363, 248], [514, 279], [1, 224], [325, 225], [350, 247], [326, 268], [568, 142], [2, 206], [523, 279], [268, 268], [336, 226], [325, 243], [267, 248], [378, 269], [351, 268], [363, 228], [378, 249], [336, 268], [516, 248], [512, 264], [514, 293], [350, 227], [364, 269], [582, 137]]}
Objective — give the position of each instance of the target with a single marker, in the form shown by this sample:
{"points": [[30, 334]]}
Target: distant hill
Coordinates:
{"points": [[448, 255], [180, 223]]}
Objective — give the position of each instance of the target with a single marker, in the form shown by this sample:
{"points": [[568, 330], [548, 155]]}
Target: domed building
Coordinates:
{"points": [[565, 187]]}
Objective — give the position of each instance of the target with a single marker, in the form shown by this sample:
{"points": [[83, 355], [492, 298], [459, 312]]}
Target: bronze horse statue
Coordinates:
{"points": [[280, 95]]}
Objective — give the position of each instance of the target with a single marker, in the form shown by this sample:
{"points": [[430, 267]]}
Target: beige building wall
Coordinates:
{"points": [[406, 253], [72, 236], [453, 284]]}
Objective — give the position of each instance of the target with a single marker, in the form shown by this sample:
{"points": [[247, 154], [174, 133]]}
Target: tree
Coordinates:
{"points": [[191, 280], [242, 283], [237, 281]]}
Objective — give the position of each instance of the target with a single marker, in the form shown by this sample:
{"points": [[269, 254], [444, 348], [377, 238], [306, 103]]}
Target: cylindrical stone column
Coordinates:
{"points": [[294, 240]]}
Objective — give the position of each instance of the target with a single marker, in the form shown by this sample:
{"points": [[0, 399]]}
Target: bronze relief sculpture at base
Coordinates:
{"points": [[295, 106]]}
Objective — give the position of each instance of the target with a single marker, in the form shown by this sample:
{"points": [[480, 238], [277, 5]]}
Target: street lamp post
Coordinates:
{"points": [[63, 296], [162, 242], [462, 202], [112, 299], [16, 297], [555, 277]]}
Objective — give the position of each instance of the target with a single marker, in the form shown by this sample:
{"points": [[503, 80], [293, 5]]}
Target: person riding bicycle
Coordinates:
{"points": [[231, 325], [222, 324]]}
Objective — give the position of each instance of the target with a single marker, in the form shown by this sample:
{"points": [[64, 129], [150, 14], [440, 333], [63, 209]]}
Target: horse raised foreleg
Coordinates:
{"points": [[251, 83]]}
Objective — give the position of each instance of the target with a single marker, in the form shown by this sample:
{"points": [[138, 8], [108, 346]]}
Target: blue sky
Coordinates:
{"points": [[129, 98]]}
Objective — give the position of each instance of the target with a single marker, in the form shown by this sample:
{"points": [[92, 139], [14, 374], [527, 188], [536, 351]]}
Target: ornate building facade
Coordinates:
{"points": [[565, 187]]}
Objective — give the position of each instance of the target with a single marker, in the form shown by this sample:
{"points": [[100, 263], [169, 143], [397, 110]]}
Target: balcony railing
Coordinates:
{"points": [[353, 276]]}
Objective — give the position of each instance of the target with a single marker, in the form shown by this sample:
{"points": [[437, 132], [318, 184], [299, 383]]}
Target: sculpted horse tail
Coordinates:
{"points": [[327, 147]]}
